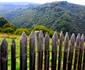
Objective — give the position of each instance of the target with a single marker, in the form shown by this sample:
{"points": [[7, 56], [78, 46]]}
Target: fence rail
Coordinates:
{"points": [[68, 53]]}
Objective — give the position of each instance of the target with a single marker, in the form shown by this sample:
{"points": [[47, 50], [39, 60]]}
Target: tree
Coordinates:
{"points": [[19, 31], [2, 21], [8, 28], [41, 27]]}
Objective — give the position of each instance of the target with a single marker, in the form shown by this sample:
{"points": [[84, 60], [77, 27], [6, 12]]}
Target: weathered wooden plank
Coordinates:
{"points": [[4, 46], [32, 51], [60, 51], [76, 51], [71, 51], [80, 52], [66, 42], [46, 67], [23, 52], [40, 51], [54, 50], [13, 55]]}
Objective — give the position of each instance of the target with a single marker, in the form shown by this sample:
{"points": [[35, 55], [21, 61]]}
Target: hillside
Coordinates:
{"points": [[56, 15], [2, 21], [11, 10]]}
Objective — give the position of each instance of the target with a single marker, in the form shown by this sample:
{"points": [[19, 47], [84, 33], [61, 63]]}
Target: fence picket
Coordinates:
{"points": [[4, 60], [40, 51], [66, 42], [13, 55], [32, 51], [41, 41], [76, 51], [80, 52], [54, 50], [23, 52], [46, 67], [60, 51], [71, 51]]}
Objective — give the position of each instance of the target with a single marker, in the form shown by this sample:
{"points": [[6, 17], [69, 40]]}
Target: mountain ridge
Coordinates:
{"points": [[56, 15]]}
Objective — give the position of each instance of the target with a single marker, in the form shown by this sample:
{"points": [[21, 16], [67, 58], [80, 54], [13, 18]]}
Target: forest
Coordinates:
{"points": [[56, 16]]}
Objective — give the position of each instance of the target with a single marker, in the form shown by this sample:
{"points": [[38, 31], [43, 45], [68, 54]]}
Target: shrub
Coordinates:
{"points": [[43, 28], [50, 32], [9, 25], [7, 30], [19, 31]]}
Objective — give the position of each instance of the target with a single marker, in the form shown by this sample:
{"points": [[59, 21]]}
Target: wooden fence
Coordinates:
{"points": [[67, 54]]}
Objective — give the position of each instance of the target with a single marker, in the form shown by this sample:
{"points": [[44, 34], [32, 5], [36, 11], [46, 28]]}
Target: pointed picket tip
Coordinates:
{"points": [[66, 42], [66, 37], [46, 35], [13, 41], [4, 45], [78, 37], [82, 37], [41, 34], [73, 38], [47, 41], [32, 35], [55, 36], [4, 41], [61, 33], [23, 36], [82, 41]]}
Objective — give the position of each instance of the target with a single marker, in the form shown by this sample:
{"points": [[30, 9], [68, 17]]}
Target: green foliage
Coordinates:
{"points": [[19, 31], [9, 25], [50, 32], [2, 21], [38, 28], [57, 16], [8, 28]]}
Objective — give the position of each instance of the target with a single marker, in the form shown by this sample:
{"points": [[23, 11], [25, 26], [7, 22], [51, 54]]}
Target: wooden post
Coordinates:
{"points": [[71, 51], [66, 42], [60, 51], [13, 55], [76, 51], [32, 51], [80, 52], [4, 46], [46, 67], [54, 50], [40, 51], [23, 52]]}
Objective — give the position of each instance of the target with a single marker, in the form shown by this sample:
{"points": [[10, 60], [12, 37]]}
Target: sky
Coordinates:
{"points": [[81, 2]]}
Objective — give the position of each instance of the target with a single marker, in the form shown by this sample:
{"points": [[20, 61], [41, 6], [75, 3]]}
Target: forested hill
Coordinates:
{"points": [[2, 22], [56, 15]]}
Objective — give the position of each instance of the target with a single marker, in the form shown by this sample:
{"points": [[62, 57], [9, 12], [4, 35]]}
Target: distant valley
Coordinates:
{"points": [[57, 16]]}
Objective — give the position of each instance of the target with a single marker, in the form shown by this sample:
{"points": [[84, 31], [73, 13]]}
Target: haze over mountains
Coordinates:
{"points": [[56, 15]]}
